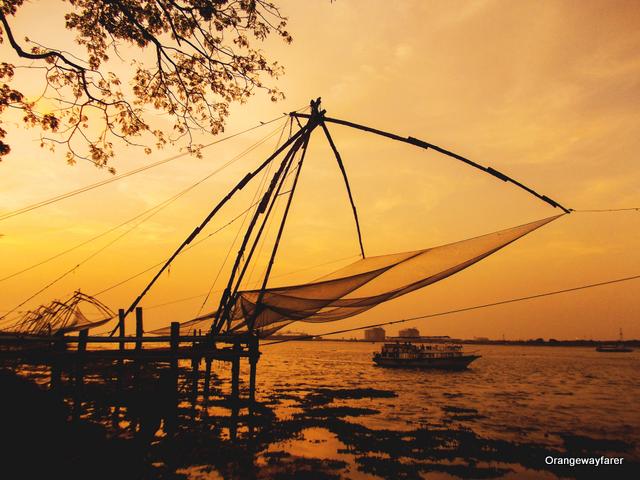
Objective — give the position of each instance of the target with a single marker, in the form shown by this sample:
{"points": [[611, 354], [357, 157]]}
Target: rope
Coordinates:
{"points": [[258, 192], [184, 250], [267, 230], [196, 231], [78, 191], [3, 317], [160, 206], [460, 310]]}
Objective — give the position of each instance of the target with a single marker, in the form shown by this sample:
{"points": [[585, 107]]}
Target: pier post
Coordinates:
{"points": [[120, 365], [139, 328], [82, 348], [82, 340], [121, 326], [175, 336]]}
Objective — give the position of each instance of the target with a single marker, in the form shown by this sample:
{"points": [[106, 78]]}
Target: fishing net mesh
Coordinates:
{"points": [[361, 285]]}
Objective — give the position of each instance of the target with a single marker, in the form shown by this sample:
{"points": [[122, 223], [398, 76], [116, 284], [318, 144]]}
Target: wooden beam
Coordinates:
{"points": [[426, 145]]}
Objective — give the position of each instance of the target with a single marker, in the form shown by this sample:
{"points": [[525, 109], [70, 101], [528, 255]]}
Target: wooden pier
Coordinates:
{"points": [[73, 353]]}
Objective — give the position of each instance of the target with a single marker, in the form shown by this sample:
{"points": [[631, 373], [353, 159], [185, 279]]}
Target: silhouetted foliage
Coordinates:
{"points": [[203, 60]]}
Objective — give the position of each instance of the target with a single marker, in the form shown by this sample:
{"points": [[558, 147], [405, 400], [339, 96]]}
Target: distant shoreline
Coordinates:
{"points": [[527, 343]]}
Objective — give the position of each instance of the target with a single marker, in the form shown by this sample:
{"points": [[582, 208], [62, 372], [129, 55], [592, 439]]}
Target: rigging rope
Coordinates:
{"points": [[187, 248], [157, 209], [169, 200], [4, 318], [259, 191], [241, 184], [86, 188], [460, 310]]}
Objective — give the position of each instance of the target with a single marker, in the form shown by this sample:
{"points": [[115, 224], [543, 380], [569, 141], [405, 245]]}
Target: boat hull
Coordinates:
{"points": [[452, 363], [614, 349]]}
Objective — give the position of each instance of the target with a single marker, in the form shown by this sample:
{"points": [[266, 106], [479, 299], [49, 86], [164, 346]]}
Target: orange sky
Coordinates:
{"points": [[546, 92]]}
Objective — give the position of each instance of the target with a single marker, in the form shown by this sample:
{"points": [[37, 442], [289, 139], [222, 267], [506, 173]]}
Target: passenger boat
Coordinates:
{"points": [[409, 355], [619, 347]]}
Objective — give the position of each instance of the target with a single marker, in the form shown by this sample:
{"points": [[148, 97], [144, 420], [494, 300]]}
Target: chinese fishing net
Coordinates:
{"points": [[60, 317], [361, 285]]}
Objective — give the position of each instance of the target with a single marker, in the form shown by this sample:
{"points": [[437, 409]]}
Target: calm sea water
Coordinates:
{"points": [[325, 411], [518, 402]]}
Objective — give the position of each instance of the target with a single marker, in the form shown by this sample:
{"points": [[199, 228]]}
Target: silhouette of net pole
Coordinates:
{"points": [[239, 186], [305, 145], [426, 145], [229, 296], [265, 207]]}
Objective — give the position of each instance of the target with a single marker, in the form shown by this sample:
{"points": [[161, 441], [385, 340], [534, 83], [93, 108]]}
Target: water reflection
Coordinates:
{"points": [[321, 418]]}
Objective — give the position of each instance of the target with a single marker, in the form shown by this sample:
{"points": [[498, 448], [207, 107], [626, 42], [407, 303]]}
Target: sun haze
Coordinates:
{"points": [[545, 92]]}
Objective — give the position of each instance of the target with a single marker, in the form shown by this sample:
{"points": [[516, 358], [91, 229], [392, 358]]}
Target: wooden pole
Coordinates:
{"points": [[175, 336], [346, 182], [139, 328], [82, 340], [173, 386], [265, 207], [199, 228], [426, 145], [121, 326]]}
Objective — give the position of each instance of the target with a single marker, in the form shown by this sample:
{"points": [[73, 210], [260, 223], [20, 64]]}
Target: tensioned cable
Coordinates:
{"points": [[159, 208], [196, 231], [187, 248], [160, 205], [86, 188], [258, 192], [460, 310], [268, 226], [73, 269]]}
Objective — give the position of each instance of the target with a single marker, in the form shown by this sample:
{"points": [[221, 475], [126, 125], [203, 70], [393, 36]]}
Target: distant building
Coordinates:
{"points": [[376, 334], [409, 333]]}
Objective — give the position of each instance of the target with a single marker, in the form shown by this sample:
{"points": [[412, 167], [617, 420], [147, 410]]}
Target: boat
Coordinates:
{"points": [[618, 347], [409, 355]]}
